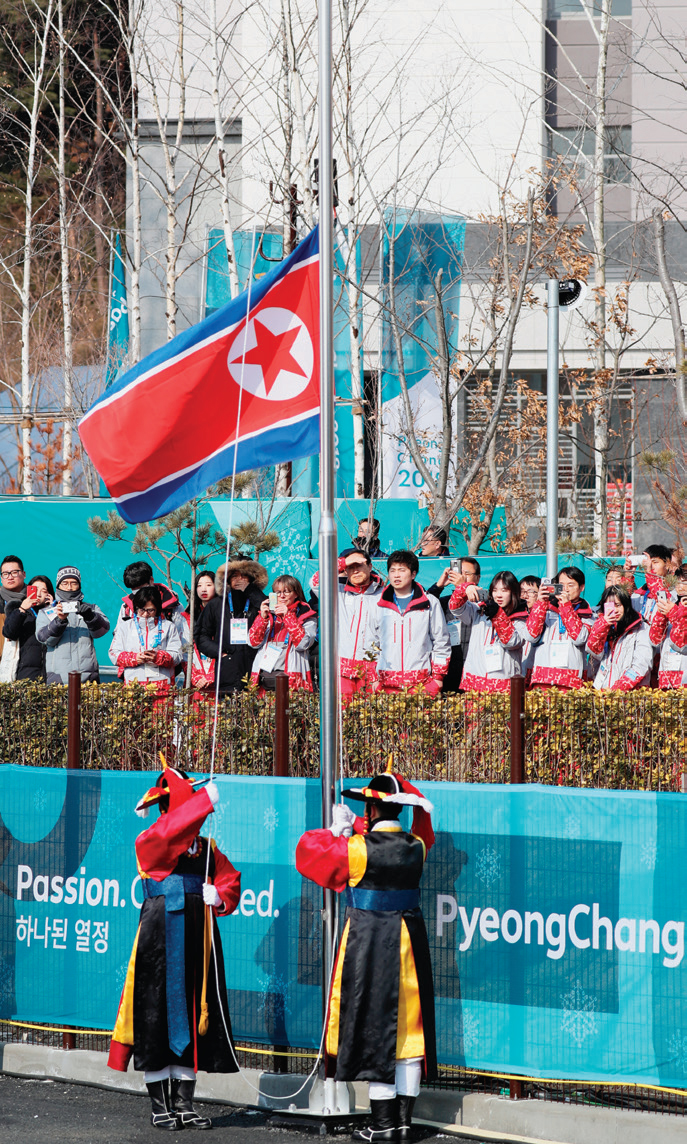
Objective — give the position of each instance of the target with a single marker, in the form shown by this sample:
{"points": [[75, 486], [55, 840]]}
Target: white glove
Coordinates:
{"points": [[342, 821], [213, 793], [211, 895]]}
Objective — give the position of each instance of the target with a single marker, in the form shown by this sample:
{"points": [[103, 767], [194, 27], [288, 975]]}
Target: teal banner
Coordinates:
{"points": [[71, 900], [556, 918]]}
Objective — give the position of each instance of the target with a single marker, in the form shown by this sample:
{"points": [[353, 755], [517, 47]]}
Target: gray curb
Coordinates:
{"points": [[462, 1115]]}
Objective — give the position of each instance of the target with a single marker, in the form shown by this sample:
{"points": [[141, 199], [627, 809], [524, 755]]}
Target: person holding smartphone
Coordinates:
{"points": [[655, 564], [239, 591], [498, 632], [284, 630], [148, 648], [668, 634], [20, 628], [559, 623], [619, 644], [68, 628]]}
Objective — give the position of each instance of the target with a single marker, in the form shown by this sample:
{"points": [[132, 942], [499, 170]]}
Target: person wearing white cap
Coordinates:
{"points": [[68, 627]]}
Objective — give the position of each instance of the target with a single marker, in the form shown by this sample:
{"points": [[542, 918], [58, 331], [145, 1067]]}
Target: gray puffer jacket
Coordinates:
{"points": [[69, 642]]}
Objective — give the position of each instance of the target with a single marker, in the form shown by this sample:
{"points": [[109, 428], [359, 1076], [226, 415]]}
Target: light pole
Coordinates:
{"points": [[552, 430], [564, 295], [329, 668]]}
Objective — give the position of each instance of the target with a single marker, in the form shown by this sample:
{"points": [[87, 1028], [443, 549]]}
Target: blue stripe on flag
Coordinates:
{"points": [[269, 447]]}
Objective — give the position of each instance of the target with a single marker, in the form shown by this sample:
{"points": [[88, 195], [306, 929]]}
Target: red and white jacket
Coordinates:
{"points": [[131, 637], [625, 663], [559, 635], [644, 601], [355, 609], [202, 666], [414, 645], [293, 633], [669, 633], [495, 649]]}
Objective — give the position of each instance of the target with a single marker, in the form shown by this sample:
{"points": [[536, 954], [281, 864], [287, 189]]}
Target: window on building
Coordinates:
{"points": [[575, 146], [559, 9]]}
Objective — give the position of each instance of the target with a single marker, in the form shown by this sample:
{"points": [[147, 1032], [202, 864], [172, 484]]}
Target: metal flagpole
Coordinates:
{"points": [[552, 430], [329, 674]]}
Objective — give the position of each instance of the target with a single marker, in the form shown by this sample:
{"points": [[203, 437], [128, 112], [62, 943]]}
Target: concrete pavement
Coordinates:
{"points": [[54, 1112]]}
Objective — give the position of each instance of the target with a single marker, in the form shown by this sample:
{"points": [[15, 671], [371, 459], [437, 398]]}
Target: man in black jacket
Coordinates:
{"points": [[241, 600]]}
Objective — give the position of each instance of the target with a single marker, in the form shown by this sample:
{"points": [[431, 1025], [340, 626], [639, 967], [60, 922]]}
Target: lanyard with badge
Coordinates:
{"points": [[274, 648], [158, 635], [559, 646], [493, 653], [238, 628]]}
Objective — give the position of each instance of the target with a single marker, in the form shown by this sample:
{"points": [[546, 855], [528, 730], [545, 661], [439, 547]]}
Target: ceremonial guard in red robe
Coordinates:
{"points": [[173, 1015], [380, 1023]]}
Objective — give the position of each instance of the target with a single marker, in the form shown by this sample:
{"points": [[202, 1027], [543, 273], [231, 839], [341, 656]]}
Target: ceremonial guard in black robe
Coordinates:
{"points": [[173, 1015], [380, 1023]]}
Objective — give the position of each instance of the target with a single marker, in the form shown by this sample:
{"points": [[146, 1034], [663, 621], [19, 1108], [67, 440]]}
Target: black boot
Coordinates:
{"points": [[162, 1116], [383, 1125], [182, 1106], [405, 1116]]}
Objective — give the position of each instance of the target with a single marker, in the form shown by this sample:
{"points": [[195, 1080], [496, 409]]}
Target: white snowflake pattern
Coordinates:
{"points": [[40, 800], [6, 981], [677, 1047], [572, 828], [467, 1031], [579, 1014], [120, 976], [109, 831], [270, 819], [219, 818], [274, 988], [648, 855], [488, 866]]}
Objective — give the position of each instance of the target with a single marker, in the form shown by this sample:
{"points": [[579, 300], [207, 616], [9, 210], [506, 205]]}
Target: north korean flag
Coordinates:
{"points": [[240, 380]]}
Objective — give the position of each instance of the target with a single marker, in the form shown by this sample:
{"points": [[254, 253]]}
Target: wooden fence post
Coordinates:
{"points": [[74, 720], [517, 729], [281, 727]]}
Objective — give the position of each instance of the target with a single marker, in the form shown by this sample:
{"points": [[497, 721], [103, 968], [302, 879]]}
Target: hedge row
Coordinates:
{"points": [[582, 738]]}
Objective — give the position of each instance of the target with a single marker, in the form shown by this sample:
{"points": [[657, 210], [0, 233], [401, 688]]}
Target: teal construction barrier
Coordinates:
{"points": [[555, 917]]}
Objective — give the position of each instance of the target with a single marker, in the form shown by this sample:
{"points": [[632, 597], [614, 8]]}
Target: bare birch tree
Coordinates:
{"points": [[65, 260]]}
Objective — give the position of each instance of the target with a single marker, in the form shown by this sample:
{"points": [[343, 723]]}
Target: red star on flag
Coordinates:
{"points": [[273, 354]]}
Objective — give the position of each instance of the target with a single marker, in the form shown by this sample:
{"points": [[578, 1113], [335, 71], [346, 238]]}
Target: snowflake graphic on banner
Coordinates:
{"points": [[292, 547], [6, 982], [270, 819], [488, 866], [120, 975], [677, 1048], [649, 854], [467, 1031], [40, 800], [572, 828], [218, 818], [109, 830], [579, 1014], [275, 994]]}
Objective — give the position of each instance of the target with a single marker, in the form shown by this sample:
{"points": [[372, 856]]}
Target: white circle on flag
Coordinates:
{"points": [[279, 355]]}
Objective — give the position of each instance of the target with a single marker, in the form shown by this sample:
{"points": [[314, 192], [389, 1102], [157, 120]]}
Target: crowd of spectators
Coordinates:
{"points": [[395, 634]]}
